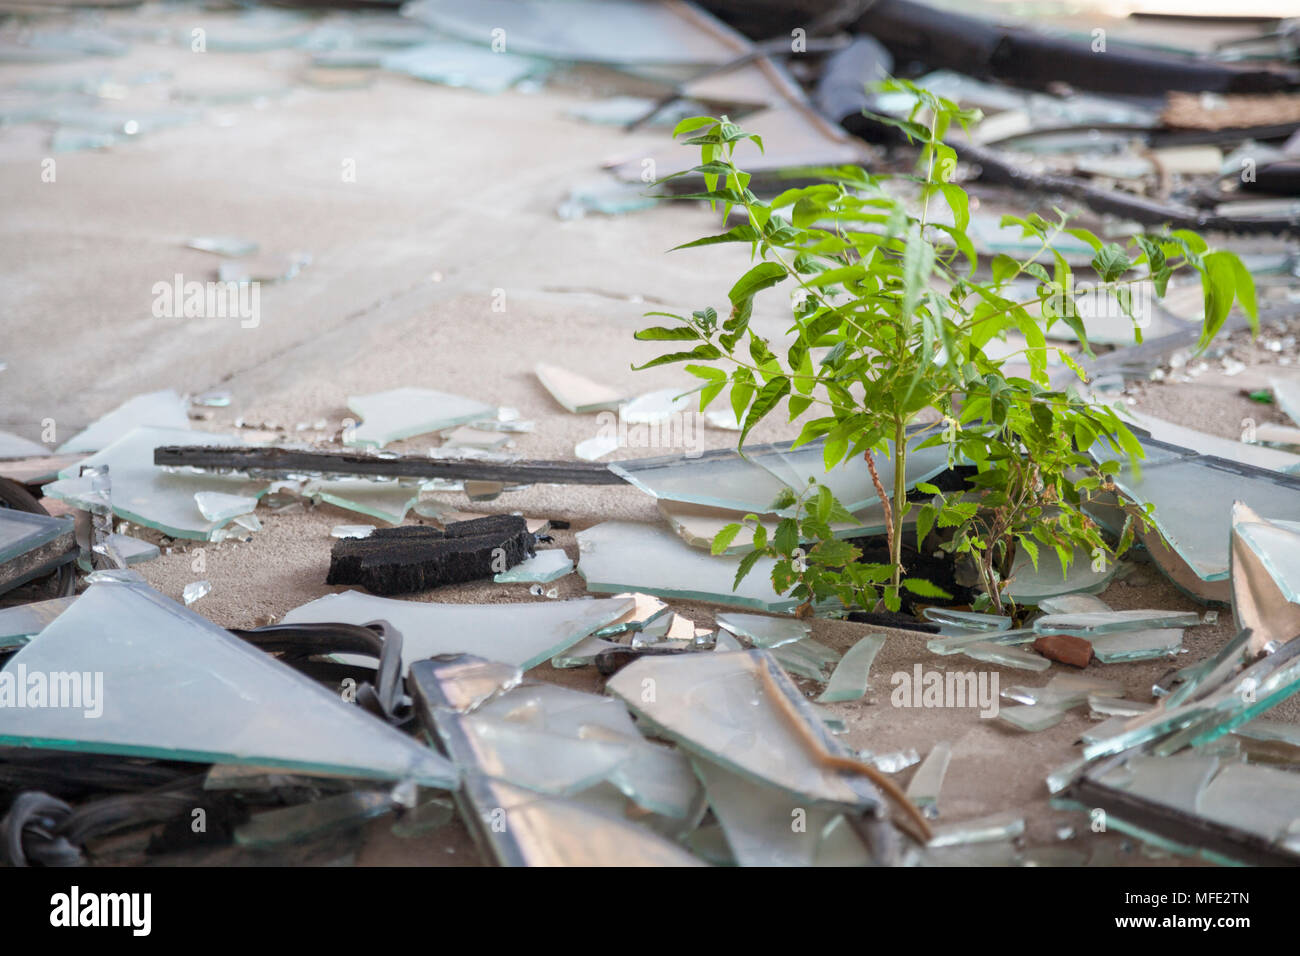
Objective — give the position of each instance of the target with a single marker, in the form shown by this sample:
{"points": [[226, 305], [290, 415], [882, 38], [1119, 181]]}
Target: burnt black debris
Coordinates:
{"points": [[417, 558]]}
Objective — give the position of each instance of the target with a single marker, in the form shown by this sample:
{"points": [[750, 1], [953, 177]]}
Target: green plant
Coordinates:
{"points": [[889, 345]]}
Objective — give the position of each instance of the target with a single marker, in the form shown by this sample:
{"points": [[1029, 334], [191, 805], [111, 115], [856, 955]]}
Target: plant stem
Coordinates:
{"points": [[884, 499], [900, 496]]}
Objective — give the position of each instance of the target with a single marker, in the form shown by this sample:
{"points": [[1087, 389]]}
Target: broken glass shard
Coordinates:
{"points": [[998, 826], [196, 590], [765, 631], [698, 525], [15, 446], [576, 392], [132, 550], [385, 500], [720, 707], [163, 409], [1200, 536], [544, 567], [223, 246], [593, 449], [147, 495], [177, 687], [753, 482], [1265, 576], [220, 507], [522, 635], [33, 545], [645, 610], [1072, 604], [966, 619], [351, 530], [17, 624], [460, 64], [759, 821], [923, 789], [1136, 645], [405, 412], [1006, 656], [1030, 585], [305, 821], [891, 762], [956, 643], [616, 32], [628, 556], [476, 438], [1100, 623], [849, 679]]}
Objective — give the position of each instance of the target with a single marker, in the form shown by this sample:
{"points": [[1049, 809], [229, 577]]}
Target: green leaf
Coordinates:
{"points": [[786, 538], [746, 565], [660, 334], [768, 398], [722, 540], [1245, 284], [1219, 286], [923, 588], [762, 276]]}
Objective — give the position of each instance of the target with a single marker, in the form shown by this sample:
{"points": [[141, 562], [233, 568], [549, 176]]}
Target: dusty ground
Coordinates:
{"points": [[454, 200]]}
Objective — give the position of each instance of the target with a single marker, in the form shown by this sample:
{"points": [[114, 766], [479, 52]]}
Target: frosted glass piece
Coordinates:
{"points": [[17, 624], [163, 409], [966, 619], [133, 550], [698, 525], [617, 32], [765, 631], [757, 820], [523, 635], [990, 829], [351, 530], [387, 501], [955, 643], [923, 789], [623, 555], [15, 446], [1006, 656], [220, 507], [1114, 622], [849, 679], [148, 495], [752, 482], [1033, 717], [1072, 604], [543, 567], [1030, 585], [1261, 800], [575, 392], [405, 412], [195, 590], [1193, 497], [177, 687], [460, 64], [717, 706], [1136, 645]]}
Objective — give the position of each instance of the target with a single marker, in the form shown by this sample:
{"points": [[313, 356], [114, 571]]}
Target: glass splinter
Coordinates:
{"points": [[406, 412], [849, 679], [522, 635], [629, 556], [1114, 622], [543, 567], [220, 507], [924, 787]]}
